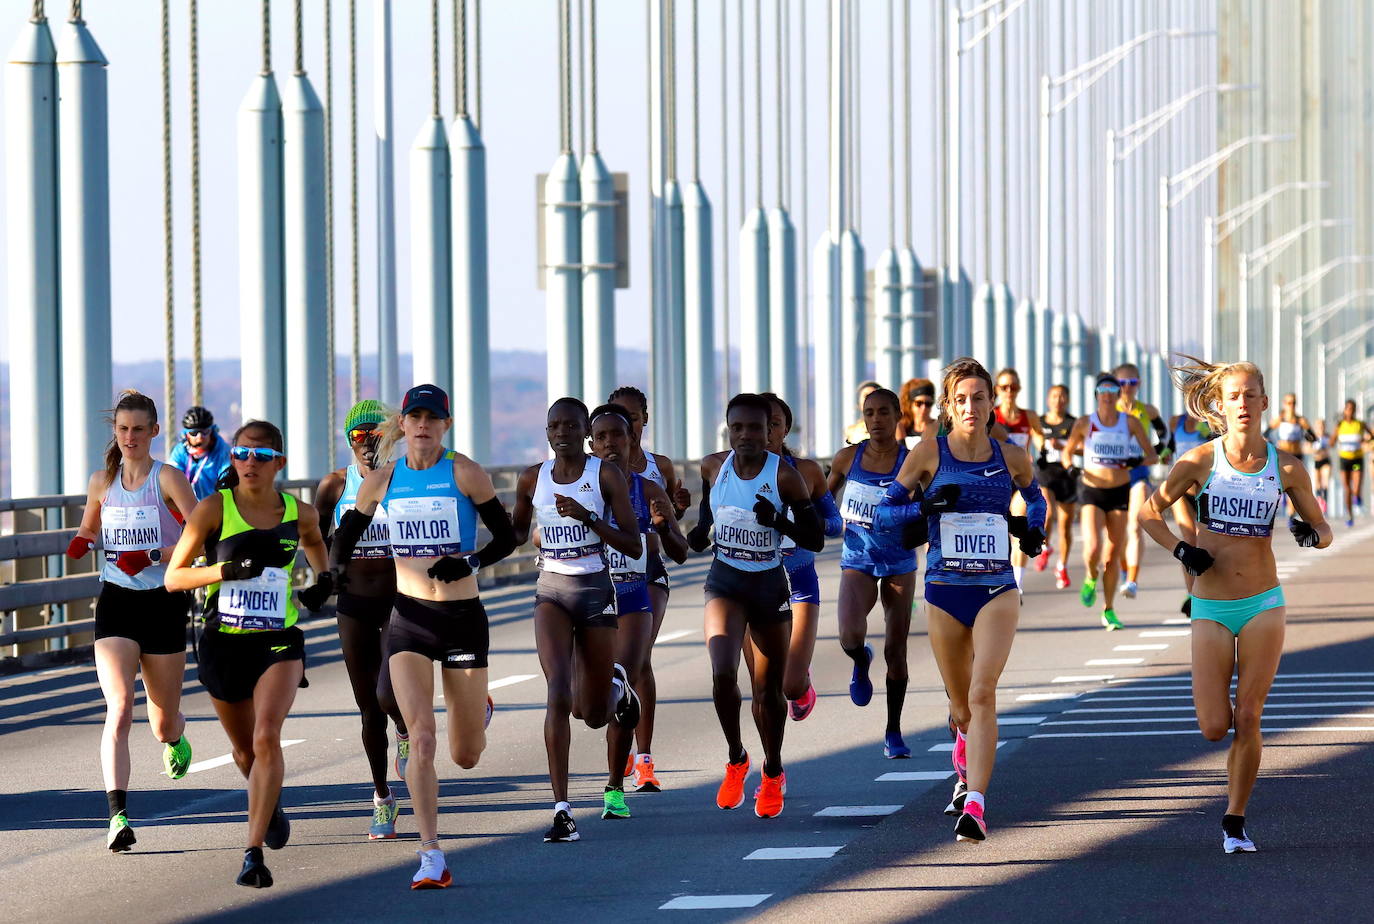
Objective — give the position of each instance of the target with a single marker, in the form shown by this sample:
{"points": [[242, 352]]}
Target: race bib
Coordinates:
{"points": [[974, 542], [128, 529], [376, 541], [1019, 439], [565, 539], [739, 536], [423, 527], [1052, 451], [860, 500], [1110, 448], [626, 569], [1348, 442], [256, 603], [1241, 505]]}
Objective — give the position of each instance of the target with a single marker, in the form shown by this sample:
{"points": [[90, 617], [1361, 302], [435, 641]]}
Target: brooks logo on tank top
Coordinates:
{"points": [[971, 545], [427, 515], [1236, 503], [623, 568], [741, 541], [376, 541], [567, 546], [135, 521], [1110, 447]]}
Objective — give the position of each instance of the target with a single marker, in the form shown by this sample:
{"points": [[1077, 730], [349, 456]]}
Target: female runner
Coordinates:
{"points": [[963, 484], [874, 565], [1321, 462], [1128, 375], [1352, 439], [1023, 430], [918, 404], [136, 505], [1238, 605], [252, 654], [1186, 433], [1058, 477]]}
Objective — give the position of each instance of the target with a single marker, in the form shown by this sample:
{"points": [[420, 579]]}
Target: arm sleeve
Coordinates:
{"points": [[352, 525], [893, 510], [497, 522], [834, 524], [1036, 508], [699, 536], [805, 527], [1157, 425]]}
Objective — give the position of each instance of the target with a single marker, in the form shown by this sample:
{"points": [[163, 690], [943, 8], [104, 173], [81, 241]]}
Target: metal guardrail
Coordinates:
{"points": [[41, 590]]}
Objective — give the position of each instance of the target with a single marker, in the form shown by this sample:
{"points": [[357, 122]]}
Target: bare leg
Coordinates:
{"points": [[724, 628], [770, 706], [897, 593], [1258, 651], [116, 666], [553, 634]]}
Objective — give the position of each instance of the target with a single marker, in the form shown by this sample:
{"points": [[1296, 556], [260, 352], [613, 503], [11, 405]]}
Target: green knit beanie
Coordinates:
{"points": [[369, 411]]}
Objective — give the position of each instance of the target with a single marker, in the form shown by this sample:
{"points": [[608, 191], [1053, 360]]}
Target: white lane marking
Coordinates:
{"points": [[1148, 685], [948, 746], [1267, 731], [857, 811], [1159, 647], [1112, 662], [674, 636], [707, 902], [912, 776], [510, 681], [213, 762], [1020, 719], [1177, 621], [1188, 718], [1043, 697], [1082, 678], [1133, 699], [794, 853], [1267, 707]]}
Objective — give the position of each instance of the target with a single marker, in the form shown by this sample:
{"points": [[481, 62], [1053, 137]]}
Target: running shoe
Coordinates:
{"points": [[731, 792], [959, 756], [1042, 560], [971, 826], [894, 748], [255, 874], [613, 803], [278, 830], [121, 836], [1350, 523], [1129, 589], [384, 812], [768, 797], [800, 708], [627, 709], [433, 872], [629, 763], [403, 753], [491, 707], [645, 779], [956, 801], [860, 687], [1088, 594], [176, 758], [1109, 621], [1061, 577], [564, 829], [1241, 844]]}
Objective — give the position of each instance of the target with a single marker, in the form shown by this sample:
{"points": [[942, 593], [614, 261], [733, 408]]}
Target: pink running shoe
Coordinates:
{"points": [[801, 708], [1061, 577], [971, 826], [1043, 559], [960, 757]]}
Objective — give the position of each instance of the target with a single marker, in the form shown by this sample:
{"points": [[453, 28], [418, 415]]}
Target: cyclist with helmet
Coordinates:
{"points": [[202, 454]]}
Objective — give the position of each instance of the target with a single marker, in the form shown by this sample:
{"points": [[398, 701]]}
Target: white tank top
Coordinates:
{"points": [[132, 521], [1288, 431], [1110, 447], [652, 471], [741, 541], [567, 546]]}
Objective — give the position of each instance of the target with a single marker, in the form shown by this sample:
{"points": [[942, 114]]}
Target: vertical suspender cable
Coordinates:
{"points": [[564, 78], [739, 61], [355, 371], [434, 111], [582, 73], [906, 122], [807, 390], [592, 144], [777, 63], [329, 216], [299, 41], [169, 305], [197, 370], [696, 96], [857, 132], [891, 129], [725, 195], [758, 99], [786, 68], [477, 63], [460, 59]]}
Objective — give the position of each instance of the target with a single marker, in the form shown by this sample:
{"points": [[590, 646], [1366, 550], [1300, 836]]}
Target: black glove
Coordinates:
{"points": [[765, 512], [942, 500], [1033, 542], [241, 569], [1194, 560], [699, 536], [449, 569], [1304, 533], [1134, 461], [916, 533], [1018, 527], [314, 597]]}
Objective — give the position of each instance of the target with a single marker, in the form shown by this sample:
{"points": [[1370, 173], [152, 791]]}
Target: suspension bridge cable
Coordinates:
{"points": [[777, 51], [330, 383], [356, 365], [591, 74], [460, 58], [266, 36], [564, 77], [476, 63], [906, 116], [197, 363], [168, 294], [696, 96], [725, 190], [758, 98], [891, 131]]}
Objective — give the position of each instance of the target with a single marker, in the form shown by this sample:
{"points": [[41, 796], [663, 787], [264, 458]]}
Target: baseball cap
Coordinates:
{"points": [[430, 397]]}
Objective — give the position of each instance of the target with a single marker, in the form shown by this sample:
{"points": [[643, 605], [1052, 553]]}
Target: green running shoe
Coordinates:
{"points": [[1088, 595], [1109, 620], [121, 836], [402, 754], [613, 803], [176, 758]]}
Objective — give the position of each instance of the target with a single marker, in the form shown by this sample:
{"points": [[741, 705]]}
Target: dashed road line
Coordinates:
{"points": [[713, 902], [857, 811], [794, 853], [220, 761]]}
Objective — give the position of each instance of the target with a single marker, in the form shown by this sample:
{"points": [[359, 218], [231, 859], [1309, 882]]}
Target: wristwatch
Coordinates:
{"points": [[473, 562], [155, 556], [592, 518]]}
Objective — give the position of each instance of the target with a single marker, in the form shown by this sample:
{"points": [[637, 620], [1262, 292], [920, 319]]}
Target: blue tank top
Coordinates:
{"points": [[971, 545], [427, 516], [793, 555], [625, 569], [376, 541], [863, 492], [740, 541]]}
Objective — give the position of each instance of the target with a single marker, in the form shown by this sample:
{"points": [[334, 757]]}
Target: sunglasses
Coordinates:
{"points": [[360, 435], [1008, 387], [1108, 390], [923, 403], [200, 431], [1129, 381], [256, 453]]}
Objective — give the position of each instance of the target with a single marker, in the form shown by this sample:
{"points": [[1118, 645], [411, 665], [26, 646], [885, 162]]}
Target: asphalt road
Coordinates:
{"points": [[1106, 802]]}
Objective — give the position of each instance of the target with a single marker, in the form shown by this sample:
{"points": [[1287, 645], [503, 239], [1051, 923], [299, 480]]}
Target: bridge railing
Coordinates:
{"points": [[47, 600]]}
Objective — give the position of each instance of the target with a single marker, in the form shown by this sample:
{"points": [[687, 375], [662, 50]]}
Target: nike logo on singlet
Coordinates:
{"points": [[990, 472]]}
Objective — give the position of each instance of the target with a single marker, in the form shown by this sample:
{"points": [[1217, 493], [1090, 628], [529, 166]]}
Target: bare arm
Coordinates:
{"points": [[1078, 434], [327, 496], [205, 519], [1147, 449], [1188, 472], [623, 538], [919, 466], [522, 517], [1298, 485], [838, 467], [663, 519], [311, 539]]}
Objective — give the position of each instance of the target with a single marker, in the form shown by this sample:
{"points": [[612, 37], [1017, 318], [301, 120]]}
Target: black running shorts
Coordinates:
{"points": [[453, 632], [155, 619]]}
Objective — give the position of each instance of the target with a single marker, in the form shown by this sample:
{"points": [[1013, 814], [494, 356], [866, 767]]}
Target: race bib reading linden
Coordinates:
{"points": [[255, 603]]}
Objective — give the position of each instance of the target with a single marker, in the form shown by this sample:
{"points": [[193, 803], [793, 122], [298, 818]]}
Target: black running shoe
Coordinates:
{"points": [[564, 829], [956, 803], [121, 836], [278, 830], [255, 874], [627, 710]]}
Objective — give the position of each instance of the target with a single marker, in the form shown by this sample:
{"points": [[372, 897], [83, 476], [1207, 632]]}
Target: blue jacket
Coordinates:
{"points": [[204, 471]]}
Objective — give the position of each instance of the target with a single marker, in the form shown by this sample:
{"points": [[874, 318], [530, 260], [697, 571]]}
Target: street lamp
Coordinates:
{"points": [[1334, 347], [1189, 179], [1286, 293]]}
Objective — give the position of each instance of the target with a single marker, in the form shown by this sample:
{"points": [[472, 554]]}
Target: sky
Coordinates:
{"points": [[520, 128]]}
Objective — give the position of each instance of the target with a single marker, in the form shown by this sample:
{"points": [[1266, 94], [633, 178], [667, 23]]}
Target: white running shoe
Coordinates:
{"points": [[1241, 844], [433, 872], [1129, 590]]}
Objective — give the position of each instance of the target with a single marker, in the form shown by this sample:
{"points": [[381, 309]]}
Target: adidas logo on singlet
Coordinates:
{"points": [[585, 488], [766, 489]]}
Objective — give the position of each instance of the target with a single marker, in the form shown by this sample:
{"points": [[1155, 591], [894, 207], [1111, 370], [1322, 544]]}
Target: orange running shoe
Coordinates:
{"points": [[768, 797], [645, 780], [630, 763], [731, 792]]}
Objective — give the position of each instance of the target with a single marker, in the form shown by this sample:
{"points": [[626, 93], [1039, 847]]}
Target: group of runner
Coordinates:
{"points": [[967, 472]]}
